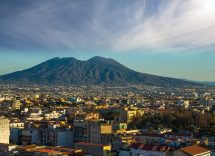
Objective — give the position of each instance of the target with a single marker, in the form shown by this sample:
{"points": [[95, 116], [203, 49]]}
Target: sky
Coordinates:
{"points": [[174, 38]]}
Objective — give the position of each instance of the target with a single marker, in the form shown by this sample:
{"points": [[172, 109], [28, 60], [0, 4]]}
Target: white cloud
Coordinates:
{"points": [[115, 25], [180, 24]]}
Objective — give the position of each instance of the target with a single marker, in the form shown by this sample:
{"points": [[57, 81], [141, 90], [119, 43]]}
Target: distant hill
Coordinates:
{"points": [[210, 83], [97, 70]]}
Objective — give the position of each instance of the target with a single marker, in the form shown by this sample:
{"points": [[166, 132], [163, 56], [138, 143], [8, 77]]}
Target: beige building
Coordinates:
{"points": [[4, 130], [94, 149], [127, 115], [96, 130]]}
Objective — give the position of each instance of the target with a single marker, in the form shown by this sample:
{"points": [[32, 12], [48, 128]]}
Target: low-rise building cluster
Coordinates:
{"points": [[103, 121]]}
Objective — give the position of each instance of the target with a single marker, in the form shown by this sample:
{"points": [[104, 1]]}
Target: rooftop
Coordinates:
{"points": [[90, 144], [194, 150], [151, 147]]}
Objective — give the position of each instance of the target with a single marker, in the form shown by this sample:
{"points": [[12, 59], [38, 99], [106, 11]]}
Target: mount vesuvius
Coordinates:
{"points": [[97, 70]]}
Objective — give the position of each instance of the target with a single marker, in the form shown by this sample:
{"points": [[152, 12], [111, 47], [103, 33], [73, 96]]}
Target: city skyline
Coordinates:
{"points": [[107, 77], [166, 38]]}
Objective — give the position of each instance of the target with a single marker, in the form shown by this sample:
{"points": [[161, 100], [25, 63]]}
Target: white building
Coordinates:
{"points": [[4, 130], [35, 115], [16, 124], [52, 115]]}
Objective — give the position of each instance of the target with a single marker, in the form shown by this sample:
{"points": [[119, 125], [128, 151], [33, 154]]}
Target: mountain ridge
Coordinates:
{"points": [[97, 70]]}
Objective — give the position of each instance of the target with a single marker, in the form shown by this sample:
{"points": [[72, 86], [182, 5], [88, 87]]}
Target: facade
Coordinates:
{"points": [[119, 127], [54, 134], [94, 149], [96, 130], [17, 125], [4, 130], [80, 123], [35, 115], [30, 136], [15, 136], [124, 153], [64, 138], [79, 127], [16, 105], [126, 115], [48, 133], [112, 139], [181, 136], [52, 115], [149, 138], [16, 132], [5, 149]]}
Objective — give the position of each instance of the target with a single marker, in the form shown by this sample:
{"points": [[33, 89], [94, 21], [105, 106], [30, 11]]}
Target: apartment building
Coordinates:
{"points": [[4, 130]]}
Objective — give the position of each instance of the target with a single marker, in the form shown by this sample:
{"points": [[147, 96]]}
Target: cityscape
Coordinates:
{"points": [[107, 78]]}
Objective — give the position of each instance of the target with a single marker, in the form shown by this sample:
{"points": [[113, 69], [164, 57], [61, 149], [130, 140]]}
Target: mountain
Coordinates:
{"points": [[210, 83], [207, 83], [97, 70]]}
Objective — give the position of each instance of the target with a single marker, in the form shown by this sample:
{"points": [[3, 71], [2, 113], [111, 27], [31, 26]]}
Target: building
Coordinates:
{"points": [[15, 136], [30, 136], [149, 150], [16, 132], [149, 138], [126, 115], [16, 104], [181, 136], [5, 149], [119, 127], [55, 134], [4, 130], [35, 115], [52, 115], [80, 123], [96, 130], [94, 149], [194, 150], [48, 133], [46, 151]]}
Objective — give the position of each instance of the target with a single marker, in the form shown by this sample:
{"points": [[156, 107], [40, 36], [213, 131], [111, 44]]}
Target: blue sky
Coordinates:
{"points": [[162, 37]]}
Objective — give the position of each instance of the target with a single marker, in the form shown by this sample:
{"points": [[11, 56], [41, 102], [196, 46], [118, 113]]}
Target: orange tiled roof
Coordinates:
{"points": [[194, 150], [46, 151], [90, 144]]}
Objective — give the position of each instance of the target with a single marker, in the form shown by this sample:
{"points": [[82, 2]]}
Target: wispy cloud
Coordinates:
{"points": [[122, 25], [179, 24]]}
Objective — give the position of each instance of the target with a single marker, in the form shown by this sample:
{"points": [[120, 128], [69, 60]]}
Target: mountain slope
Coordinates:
{"points": [[97, 70], [210, 83]]}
